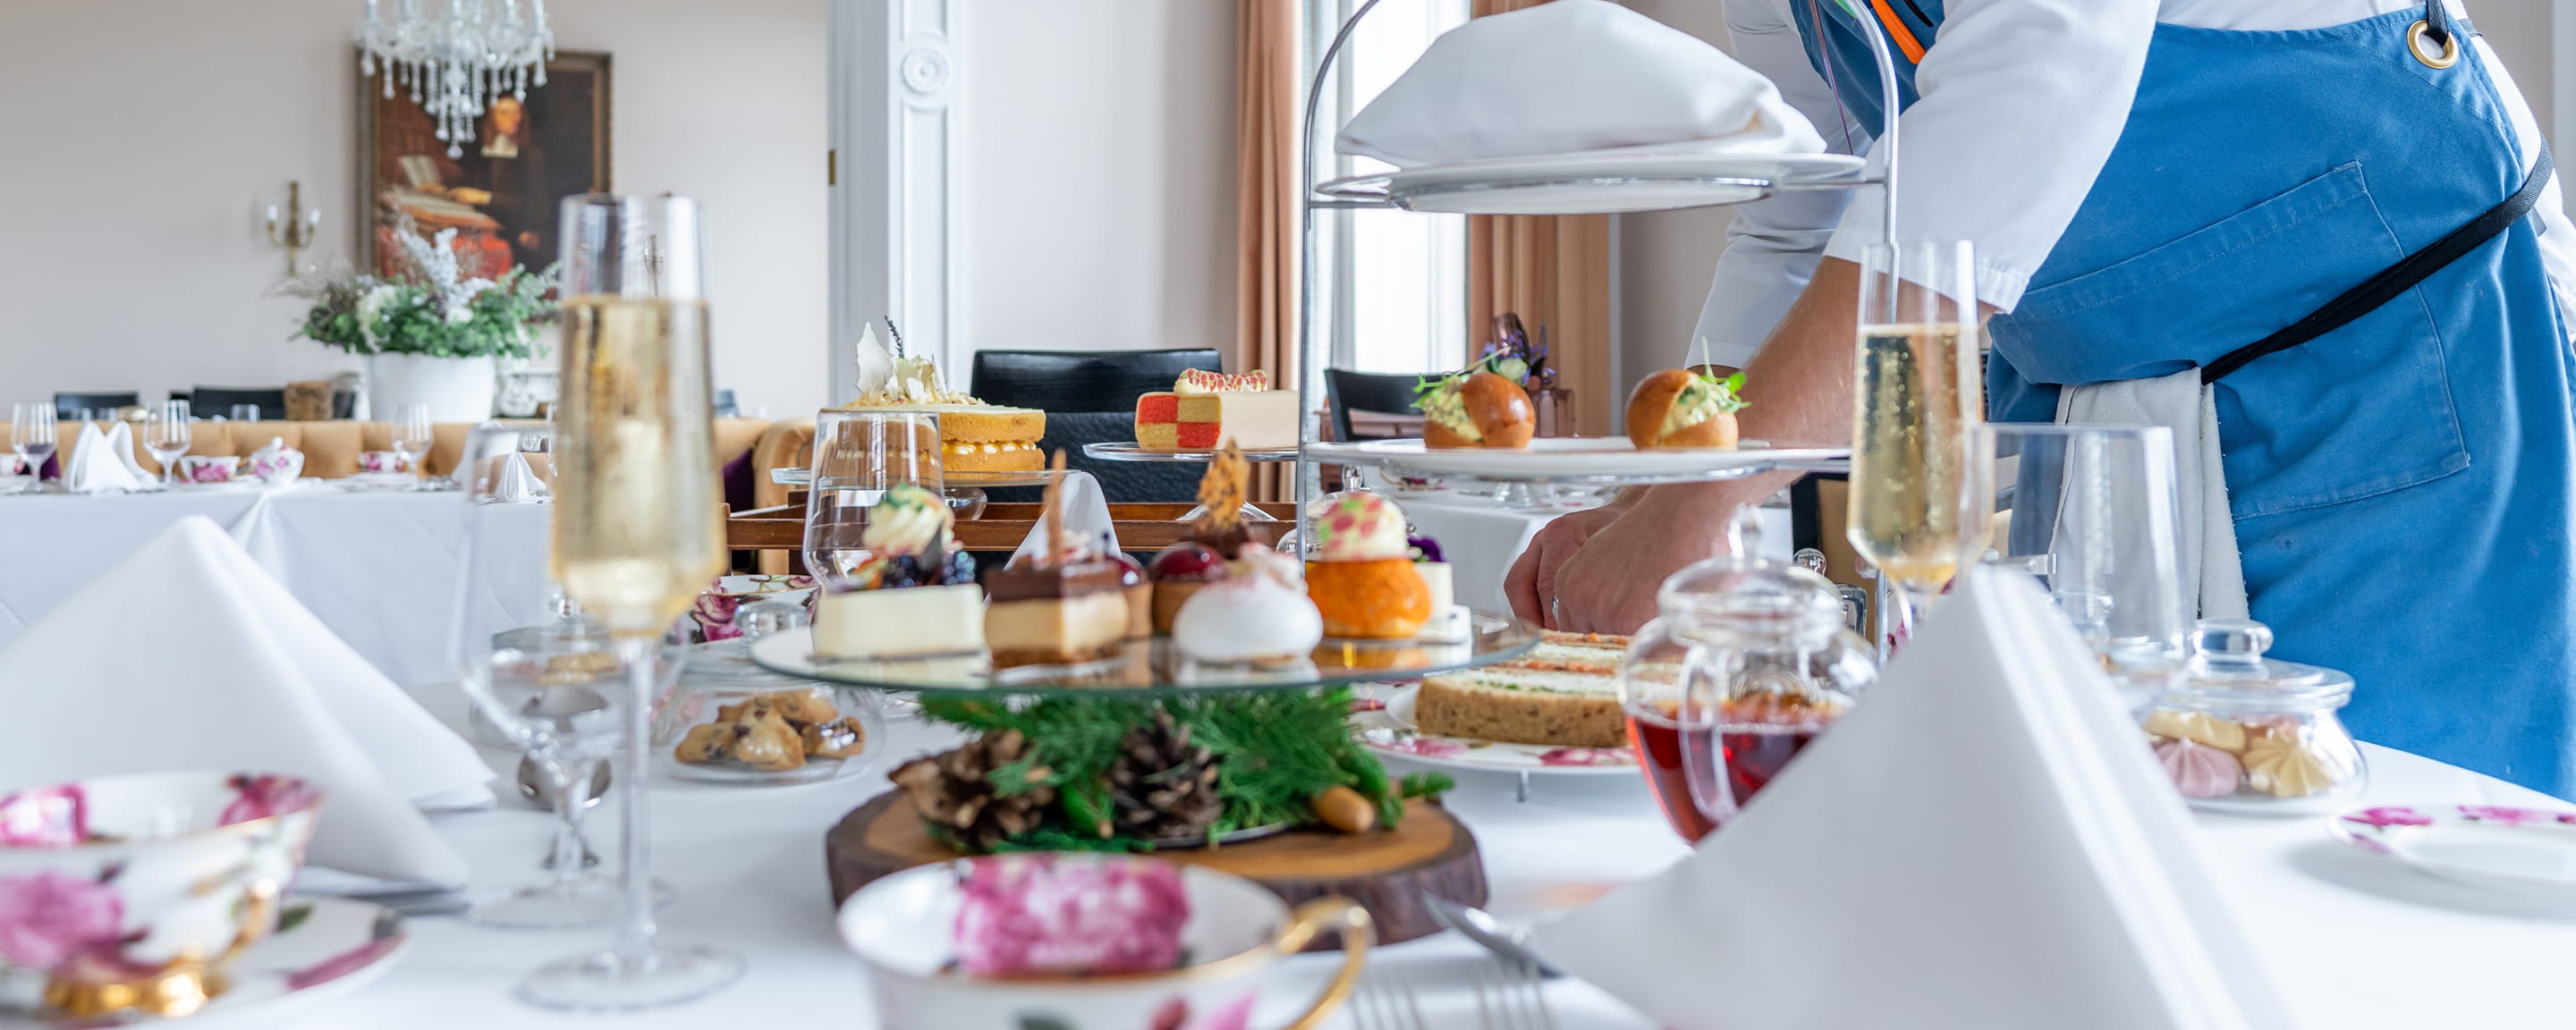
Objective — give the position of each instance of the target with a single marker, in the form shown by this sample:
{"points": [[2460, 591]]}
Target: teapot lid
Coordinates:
{"points": [[2227, 663], [1750, 594]]}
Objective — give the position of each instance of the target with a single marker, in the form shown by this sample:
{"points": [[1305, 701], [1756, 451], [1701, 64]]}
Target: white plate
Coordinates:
{"points": [[332, 947], [1550, 458], [2531, 850], [1390, 730], [1695, 173], [380, 482]]}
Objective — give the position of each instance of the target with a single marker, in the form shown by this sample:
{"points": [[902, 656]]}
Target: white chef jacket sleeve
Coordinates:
{"points": [[1772, 245], [2019, 104]]}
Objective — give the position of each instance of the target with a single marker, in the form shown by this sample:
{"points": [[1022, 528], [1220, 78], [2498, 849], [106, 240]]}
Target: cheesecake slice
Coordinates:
{"points": [[904, 622]]}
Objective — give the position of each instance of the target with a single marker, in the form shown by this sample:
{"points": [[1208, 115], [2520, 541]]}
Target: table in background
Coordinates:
{"points": [[379, 569], [2351, 940], [1481, 537]]}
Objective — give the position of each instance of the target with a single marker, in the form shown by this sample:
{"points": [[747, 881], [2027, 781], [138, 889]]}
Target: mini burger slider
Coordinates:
{"points": [[1678, 407], [1475, 408]]}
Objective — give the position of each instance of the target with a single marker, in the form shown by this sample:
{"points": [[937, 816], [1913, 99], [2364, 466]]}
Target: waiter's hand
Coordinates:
{"points": [[1609, 585], [1532, 583]]}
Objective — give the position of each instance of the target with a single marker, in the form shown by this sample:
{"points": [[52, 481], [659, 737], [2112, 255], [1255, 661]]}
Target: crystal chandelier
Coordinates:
{"points": [[456, 64]]}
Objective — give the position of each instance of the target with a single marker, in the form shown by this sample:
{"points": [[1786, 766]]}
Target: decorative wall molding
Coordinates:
{"points": [[895, 227]]}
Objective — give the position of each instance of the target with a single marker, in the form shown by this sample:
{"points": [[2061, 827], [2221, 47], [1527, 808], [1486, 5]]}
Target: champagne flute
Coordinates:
{"points": [[638, 529], [167, 433], [411, 435], [31, 434], [1916, 395]]}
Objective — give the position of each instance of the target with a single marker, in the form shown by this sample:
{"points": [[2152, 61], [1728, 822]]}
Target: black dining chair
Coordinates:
{"points": [[1090, 397], [1377, 393], [211, 401], [68, 406]]}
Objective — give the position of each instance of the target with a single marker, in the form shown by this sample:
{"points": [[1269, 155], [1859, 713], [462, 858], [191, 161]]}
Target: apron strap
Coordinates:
{"points": [[2397, 278], [2437, 21]]}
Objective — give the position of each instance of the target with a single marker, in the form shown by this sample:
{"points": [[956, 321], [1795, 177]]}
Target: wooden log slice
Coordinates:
{"points": [[1385, 871]]}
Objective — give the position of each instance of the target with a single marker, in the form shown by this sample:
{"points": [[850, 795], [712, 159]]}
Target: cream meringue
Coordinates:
{"points": [[2281, 767], [2200, 727], [2199, 770]]}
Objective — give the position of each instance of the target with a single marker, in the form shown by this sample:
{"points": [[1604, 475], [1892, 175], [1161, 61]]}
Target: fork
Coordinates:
{"points": [[1385, 1002], [1508, 997]]}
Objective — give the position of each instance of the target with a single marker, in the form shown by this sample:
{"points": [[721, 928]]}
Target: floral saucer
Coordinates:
{"points": [[2521, 849], [1385, 725], [324, 948]]}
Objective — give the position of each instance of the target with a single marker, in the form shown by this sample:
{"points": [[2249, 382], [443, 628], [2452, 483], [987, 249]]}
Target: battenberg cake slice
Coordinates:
{"points": [[1204, 409]]}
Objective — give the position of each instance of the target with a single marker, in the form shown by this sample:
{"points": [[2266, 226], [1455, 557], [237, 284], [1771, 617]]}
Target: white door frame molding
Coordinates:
{"points": [[895, 141]]}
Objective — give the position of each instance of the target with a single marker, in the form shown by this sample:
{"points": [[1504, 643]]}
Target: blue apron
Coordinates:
{"points": [[2401, 485]]}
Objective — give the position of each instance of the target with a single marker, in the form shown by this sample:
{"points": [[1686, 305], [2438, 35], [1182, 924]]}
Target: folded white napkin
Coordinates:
{"points": [[2212, 568], [1983, 842], [103, 462], [1567, 77], [186, 655], [515, 483], [1086, 519]]}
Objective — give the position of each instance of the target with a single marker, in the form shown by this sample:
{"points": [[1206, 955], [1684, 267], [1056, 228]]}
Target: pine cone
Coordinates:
{"points": [[954, 790], [1164, 787]]}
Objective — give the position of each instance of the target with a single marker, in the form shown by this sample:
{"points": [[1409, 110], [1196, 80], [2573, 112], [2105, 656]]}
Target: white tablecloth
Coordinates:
{"points": [[2353, 941], [1481, 538], [380, 569]]}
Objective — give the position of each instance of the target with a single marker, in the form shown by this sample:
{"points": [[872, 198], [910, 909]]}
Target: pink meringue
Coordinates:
{"points": [[2199, 770]]}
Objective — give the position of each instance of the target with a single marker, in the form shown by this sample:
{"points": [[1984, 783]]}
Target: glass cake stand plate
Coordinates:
{"points": [[1665, 176], [1156, 666], [1579, 460], [1125, 451], [1039, 477]]}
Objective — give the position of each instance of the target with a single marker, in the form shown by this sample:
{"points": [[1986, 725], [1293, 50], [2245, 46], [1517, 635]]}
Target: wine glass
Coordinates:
{"points": [[2092, 512], [857, 456], [411, 434], [31, 434], [638, 529], [555, 692], [245, 412], [1916, 394], [167, 433]]}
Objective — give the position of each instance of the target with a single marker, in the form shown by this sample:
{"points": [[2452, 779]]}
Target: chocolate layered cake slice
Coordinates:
{"points": [[1055, 614]]}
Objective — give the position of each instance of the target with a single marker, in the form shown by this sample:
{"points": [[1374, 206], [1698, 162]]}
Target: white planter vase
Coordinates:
{"points": [[456, 389]]}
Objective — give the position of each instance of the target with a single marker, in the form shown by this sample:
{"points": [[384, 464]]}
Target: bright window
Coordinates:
{"points": [[1393, 294]]}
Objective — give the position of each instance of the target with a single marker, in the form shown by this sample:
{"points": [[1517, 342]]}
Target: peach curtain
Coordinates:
{"points": [[1265, 191], [1553, 271]]}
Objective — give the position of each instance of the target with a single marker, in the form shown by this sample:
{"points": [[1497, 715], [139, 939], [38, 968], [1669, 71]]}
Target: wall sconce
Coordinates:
{"points": [[295, 231]]}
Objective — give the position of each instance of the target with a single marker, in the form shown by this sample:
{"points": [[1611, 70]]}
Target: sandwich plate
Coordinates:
{"points": [[1386, 726], [1574, 458], [2527, 850]]}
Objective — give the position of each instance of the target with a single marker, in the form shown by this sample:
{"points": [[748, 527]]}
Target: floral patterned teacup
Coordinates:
{"points": [[128, 895], [380, 462], [277, 462], [712, 617], [208, 468], [905, 927]]}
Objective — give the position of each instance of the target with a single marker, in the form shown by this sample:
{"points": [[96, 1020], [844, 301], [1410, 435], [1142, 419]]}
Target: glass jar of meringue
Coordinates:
{"points": [[2254, 735]]}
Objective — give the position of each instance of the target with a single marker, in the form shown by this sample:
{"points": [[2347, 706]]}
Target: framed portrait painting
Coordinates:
{"points": [[501, 192]]}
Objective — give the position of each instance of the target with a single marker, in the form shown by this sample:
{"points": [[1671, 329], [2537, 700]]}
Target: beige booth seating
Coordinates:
{"points": [[331, 449]]}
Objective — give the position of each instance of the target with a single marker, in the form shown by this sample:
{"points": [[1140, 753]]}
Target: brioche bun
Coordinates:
{"points": [[1501, 410], [1650, 405]]}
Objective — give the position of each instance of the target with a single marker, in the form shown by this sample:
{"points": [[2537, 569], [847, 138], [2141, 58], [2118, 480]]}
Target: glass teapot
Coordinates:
{"points": [[1749, 661]]}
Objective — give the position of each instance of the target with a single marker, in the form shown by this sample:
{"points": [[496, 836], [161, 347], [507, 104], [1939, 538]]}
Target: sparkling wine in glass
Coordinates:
{"points": [[1916, 395], [31, 434], [167, 432], [638, 529], [411, 434]]}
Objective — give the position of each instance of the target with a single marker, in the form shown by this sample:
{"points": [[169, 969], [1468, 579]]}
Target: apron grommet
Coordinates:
{"points": [[2449, 54]]}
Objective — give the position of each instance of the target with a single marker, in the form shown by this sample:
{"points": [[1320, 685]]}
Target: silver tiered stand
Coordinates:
{"points": [[1512, 195]]}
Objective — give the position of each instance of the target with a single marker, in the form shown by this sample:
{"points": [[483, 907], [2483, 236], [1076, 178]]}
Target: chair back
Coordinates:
{"points": [[214, 401], [1379, 393], [68, 406], [1082, 380]]}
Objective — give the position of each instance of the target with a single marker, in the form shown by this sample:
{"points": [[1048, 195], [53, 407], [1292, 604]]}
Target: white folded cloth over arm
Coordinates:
{"points": [[187, 655], [1983, 842], [1566, 77], [1085, 509], [2212, 569], [100, 460]]}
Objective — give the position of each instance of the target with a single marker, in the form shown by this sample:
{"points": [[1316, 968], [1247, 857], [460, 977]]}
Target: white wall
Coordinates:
{"points": [[145, 136], [1099, 173], [1666, 258]]}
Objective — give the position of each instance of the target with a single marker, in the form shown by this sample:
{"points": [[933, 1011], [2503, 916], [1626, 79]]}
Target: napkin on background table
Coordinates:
{"points": [[103, 462], [1982, 842], [1567, 77], [1086, 518], [187, 655]]}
